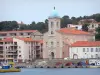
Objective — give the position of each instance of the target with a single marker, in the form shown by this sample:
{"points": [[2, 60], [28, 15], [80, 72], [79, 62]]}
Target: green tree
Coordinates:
{"points": [[85, 27], [97, 35], [65, 20]]}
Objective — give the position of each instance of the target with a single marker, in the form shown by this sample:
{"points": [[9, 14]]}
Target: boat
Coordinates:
{"points": [[93, 66], [10, 70]]}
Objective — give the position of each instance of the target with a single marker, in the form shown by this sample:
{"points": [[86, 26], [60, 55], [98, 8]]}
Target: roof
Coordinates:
{"points": [[7, 40], [86, 44], [41, 41], [29, 39], [25, 39], [98, 23], [54, 14], [73, 31], [2, 32]]}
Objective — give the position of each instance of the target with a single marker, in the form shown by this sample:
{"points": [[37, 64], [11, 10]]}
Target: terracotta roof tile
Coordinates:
{"points": [[86, 44], [72, 31], [25, 39]]}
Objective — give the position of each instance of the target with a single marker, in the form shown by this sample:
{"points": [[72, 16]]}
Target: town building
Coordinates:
{"points": [[21, 33], [57, 40], [92, 24], [79, 27], [20, 49], [84, 50]]}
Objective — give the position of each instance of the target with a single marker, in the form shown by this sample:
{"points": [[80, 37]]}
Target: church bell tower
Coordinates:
{"points": [[53, 22]]}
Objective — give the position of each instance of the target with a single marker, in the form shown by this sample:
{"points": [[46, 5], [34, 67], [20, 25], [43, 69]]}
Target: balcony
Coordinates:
{"points": [[1, 53], [11, 54], [9, 58], [11, 51]]}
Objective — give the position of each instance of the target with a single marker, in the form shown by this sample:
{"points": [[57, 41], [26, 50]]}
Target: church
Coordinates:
{"points": [[58, 40]]}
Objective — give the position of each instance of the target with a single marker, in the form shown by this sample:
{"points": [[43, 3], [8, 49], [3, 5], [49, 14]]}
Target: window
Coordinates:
{"points": [[83, 49], [96, 49], [15, 34], [6, 47], [91, 49], [63, 43], [99, 50], [57, 24], [19, 47], [96, 56], [57, 43], [92, 26], [87, 49], [52, 32], [46, 43], [19, 51], [91, 56], [26, 42], [21, 33], [28, 33], [51, 43], [51, 23], [19, 55]]}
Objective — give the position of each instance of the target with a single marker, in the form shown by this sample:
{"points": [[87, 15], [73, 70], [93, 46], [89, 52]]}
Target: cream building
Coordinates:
{"points": [[92, 24], [21, 33], [57, 40]]}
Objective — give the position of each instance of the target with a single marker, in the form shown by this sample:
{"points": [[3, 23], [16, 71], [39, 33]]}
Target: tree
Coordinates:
{"points": [[85, 27], [97, 35], [65, 20], [8, 25], [23, 27]]}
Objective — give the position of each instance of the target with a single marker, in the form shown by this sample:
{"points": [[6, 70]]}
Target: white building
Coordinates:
{"points": [[79, 27], [84, 50]]}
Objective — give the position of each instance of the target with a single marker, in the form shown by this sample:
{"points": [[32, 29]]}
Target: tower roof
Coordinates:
{"points": [[54, 14]]}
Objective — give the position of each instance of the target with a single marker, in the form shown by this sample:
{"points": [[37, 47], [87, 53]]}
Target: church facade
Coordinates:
{"points": [[57, 40]]}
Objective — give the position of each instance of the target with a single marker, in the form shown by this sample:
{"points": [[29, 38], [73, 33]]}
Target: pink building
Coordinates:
{"points": [[20, 49]]}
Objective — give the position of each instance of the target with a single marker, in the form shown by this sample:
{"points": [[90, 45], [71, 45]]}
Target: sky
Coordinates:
{"points": [[39, 10]]}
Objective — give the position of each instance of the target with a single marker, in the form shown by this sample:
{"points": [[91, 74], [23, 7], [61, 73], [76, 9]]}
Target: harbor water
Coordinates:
{"points": [[55, 71]]}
